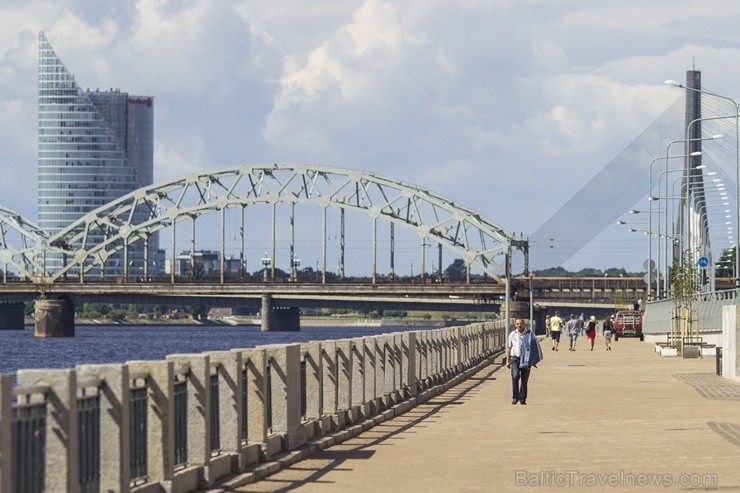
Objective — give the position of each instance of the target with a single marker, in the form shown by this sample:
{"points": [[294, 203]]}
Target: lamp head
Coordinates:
{"points": [[671, 82]]}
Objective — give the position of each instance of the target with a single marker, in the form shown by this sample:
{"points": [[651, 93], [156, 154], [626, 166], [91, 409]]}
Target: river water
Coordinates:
{"points": [[120, 343]]}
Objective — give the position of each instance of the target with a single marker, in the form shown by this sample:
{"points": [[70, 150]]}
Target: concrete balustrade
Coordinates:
{"points": [[206, 415]]}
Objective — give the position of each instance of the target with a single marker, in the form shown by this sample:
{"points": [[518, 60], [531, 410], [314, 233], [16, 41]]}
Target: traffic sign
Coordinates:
{"points": [[648, 264], [703, 262]]}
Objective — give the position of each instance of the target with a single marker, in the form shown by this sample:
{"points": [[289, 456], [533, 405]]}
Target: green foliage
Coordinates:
{"points": [[117, 315], [28, 308], [456, 270], [684, 282], [587, 272], [95, 310]]}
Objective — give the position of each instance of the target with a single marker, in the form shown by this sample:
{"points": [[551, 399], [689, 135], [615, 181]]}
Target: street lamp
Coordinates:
{"points": [[295, 262], [736, 116], [650, 216], [266, 261]]}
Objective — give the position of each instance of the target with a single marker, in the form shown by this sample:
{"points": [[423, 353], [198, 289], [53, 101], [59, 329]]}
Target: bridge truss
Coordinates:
{"points": [[99, 236]]}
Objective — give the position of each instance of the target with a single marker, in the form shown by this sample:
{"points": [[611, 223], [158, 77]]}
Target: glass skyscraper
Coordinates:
{"points": [[94, 146]]}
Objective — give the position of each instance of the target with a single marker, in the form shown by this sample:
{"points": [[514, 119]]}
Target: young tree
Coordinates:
{"points": [[456, 270]]}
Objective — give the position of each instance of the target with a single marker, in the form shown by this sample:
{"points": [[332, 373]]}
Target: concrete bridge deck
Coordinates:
{"points": [[623, 420]]}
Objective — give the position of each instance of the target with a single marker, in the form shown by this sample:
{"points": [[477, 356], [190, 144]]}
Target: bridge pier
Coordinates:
{"points": [[54, 318], [519, 309], [279, 319], [12, 316]]}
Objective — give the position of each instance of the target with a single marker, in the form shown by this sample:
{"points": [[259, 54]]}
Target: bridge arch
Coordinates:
{"points": [[21, 244], [138, 215]]}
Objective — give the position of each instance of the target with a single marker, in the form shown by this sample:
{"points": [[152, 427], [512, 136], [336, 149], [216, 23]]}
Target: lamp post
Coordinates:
{"points": [[266, 261], [650, 226], [736, 116]]}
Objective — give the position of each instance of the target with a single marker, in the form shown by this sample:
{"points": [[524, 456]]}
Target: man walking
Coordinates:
{"points": [[573, 329], [556, 328], [522, 353]]}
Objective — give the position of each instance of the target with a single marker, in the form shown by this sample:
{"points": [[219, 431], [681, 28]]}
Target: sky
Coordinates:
{"points": [[508, 107]]}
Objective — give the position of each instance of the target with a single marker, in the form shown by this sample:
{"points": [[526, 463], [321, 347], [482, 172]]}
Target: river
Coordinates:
{"points": [[120, 343]]}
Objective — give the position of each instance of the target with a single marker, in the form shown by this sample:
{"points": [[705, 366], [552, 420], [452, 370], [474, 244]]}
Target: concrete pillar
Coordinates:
{"points": [[61, 469], [284, 361], [12, 316], [397, 365], [227, 366], [311, 356], [54, 318], [357, 379], [115, 424], [369, 366], [266, 312], [254, 363], [408, 363], [329, 377], [159, 378], [386, 343], [422, 372], [285, 319], [6, 462], [380, 372], [194, 368], [344, 380]]}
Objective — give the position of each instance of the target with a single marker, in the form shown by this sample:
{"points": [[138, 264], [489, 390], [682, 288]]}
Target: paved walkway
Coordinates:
{"points": [[623, 420]]}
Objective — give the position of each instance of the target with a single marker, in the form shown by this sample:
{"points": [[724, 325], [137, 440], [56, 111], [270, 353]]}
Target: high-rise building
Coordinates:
{"points": [[94, 146]]}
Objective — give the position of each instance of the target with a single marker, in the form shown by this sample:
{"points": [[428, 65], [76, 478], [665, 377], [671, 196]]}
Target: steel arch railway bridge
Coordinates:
{"points": [[89, 246], [479, 241]]}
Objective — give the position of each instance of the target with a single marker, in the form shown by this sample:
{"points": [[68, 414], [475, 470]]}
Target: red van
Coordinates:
{"points": [[628, 323]]}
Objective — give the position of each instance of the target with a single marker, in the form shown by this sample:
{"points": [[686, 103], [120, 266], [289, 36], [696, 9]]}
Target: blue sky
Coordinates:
{"points": [[508, 107]]}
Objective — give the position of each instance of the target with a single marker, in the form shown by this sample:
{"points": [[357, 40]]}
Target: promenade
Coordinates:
{"points": [[622, 420]]}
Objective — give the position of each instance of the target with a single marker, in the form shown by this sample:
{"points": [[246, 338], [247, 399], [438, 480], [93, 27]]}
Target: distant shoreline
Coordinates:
{"points": [[252, 322]]}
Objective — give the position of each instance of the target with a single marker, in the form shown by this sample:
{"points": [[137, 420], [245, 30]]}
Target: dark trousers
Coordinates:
{"points": [[519, 378]]}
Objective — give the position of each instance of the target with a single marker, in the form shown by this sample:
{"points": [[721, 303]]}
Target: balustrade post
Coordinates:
{"points": [[226, 365], [6, 434], [357, 380], [61, 458], [397, 344], [369, 360], [423, 371], [313, 397], [285, 392], [344, 381], [386, 345], [115, 424], [254, 366], [329, 382], [160, 439], [197, 452], [408, 363]]}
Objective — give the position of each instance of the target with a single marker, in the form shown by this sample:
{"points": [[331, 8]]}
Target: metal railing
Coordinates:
{"points": [[138, 407], [215, 414], [88, 436], [181, 422], [29, 440], [245, 404], [164, 425]]}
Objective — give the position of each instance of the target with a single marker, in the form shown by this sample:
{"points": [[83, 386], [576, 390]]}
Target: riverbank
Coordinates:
{"points": [[251, 321]]}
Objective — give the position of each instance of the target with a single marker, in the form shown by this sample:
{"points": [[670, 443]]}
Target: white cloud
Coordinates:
{"points": [[481, 101]]}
